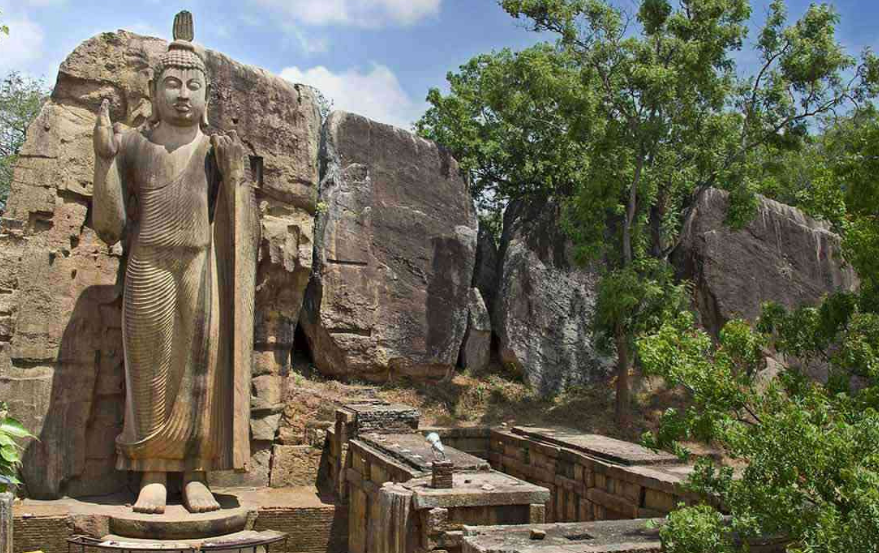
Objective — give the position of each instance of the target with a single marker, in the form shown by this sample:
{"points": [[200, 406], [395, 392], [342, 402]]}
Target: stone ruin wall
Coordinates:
{"points": [[583, 487]]}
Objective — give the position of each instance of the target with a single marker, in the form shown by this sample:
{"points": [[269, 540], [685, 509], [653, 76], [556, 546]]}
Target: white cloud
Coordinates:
{"points": [[356, 13], [23, 46], [307, 44], [376, 94]]}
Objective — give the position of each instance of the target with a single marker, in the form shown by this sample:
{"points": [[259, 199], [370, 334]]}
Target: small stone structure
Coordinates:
{"points": [[591, 477], [383, 469], [365, 416], [441, 474], [417, 517]]}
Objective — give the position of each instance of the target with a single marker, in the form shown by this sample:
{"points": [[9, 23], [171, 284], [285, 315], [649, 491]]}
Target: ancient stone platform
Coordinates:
{"points": [[314, 524], [610, 449], [177, 523], [414, 450], [477, 489], [245, 541], [623, 536]]}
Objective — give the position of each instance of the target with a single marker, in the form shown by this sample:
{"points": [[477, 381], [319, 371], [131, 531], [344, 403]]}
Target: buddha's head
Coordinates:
{"points": [[179, 88]]}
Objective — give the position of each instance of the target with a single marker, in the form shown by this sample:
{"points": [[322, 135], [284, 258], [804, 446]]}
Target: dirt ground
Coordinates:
{"points": [[495, 397]]}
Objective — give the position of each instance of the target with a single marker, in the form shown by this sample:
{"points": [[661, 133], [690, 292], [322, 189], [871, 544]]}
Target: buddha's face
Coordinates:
{"points": [[181, 96]]}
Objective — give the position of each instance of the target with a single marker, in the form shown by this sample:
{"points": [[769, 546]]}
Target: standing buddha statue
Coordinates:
{"points": [[181, 204]]}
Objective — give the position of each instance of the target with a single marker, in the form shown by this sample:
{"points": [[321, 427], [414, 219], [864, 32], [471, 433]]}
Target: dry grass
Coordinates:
{"points": [[495, 397], [492, 399]]}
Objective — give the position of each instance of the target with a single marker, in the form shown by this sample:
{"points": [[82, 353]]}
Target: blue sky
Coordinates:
{"points": [[375, 57]]}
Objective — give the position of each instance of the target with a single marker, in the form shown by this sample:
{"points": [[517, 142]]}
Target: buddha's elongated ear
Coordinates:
{"points": [[207, 105], [154, 115]]}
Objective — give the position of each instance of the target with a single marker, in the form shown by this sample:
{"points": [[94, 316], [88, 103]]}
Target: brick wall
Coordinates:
{"points": [[41, 533], [311, 530]]}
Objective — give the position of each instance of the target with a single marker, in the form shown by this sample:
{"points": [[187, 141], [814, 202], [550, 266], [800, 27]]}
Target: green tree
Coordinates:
{"points": [[810, 450], [21, 98], [652, 112], [513, 122]]}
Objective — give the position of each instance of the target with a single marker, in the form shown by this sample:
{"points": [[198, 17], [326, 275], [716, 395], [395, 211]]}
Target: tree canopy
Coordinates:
{"points": [[809, 450], [628, 117], [625, 119]]}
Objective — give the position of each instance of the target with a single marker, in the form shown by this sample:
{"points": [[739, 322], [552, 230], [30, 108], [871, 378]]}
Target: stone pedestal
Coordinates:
{"points": [[6, 500], [179, 524], [442, 472]]}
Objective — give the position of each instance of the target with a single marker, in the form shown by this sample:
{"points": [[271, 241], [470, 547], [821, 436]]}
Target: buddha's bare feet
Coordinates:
{"points": [[196, 496], [153, 493]]}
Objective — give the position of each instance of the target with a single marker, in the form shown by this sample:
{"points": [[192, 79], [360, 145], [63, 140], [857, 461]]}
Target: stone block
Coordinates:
{"points": [[264, 428], [294, 465], [659, 501], [258, 473], [267, 394], [536, 513]]}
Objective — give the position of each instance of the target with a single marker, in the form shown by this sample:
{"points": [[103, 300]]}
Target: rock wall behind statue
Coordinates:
{"points": [[394, 257], [61, 359]]}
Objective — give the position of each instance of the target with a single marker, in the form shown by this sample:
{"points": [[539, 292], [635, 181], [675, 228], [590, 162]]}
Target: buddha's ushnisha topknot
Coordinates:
{"points": [[183, 28], [181, 53]]}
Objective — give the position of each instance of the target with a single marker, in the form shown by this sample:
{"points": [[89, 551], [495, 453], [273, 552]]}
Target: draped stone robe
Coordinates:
{"points": [[187, 313]]}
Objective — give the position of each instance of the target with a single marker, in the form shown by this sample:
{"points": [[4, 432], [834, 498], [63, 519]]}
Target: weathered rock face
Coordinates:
{"points": [[543, 307], [781, 255], [485, 274], [61, 359], [395, 248], [476, 351]]}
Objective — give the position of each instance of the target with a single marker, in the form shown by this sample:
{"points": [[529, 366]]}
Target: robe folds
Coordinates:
{"points": [[187, 313]]}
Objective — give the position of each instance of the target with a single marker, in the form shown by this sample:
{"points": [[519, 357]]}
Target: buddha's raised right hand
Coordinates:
{"points": [[107, 136]]}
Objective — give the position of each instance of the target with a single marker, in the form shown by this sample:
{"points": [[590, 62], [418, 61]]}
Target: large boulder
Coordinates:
{"points": [[543, 308], [395, 248], [485, 273], [782, 255], [476, 350], [61, 362]]}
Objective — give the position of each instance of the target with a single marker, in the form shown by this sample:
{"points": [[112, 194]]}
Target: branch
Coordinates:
{"points": [[752, 413], [750, 107]]}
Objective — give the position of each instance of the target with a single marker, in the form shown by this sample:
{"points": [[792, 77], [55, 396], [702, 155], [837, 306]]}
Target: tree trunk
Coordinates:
{"points": [[656, 215], [623, 413]]}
